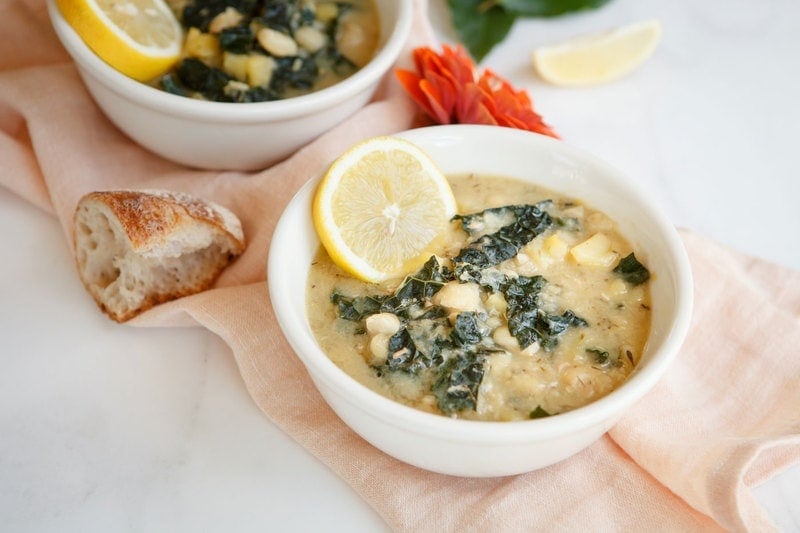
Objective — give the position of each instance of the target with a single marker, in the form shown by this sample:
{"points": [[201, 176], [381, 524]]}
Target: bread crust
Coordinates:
{"points": [[188, 240], [149, 216]]}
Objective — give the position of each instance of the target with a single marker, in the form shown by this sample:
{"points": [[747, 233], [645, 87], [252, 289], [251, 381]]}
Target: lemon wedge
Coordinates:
{"points": [[600, 58], [140, 38], [381, 209]]}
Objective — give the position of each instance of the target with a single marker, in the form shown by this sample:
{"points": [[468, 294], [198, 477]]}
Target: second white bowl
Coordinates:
{"points": [[220, 135]]}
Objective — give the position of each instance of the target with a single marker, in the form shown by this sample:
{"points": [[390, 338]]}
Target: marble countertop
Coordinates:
{"points": [[113, 428]]}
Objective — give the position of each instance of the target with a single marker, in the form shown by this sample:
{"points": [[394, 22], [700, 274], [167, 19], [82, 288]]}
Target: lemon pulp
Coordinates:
{"points": [[381, 207], [140, 38], [599, 58]]}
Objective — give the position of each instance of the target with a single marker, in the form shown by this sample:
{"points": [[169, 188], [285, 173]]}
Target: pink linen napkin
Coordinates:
{"points": [[724, 418]]}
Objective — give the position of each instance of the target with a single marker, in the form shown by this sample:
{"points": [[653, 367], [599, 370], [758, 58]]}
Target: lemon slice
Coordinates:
{"points": [[381, 208], [140, 38], [600, 58]]}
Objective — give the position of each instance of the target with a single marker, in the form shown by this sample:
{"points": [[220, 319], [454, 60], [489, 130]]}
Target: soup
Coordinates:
{"points": [[261, 50], [536, 305]]}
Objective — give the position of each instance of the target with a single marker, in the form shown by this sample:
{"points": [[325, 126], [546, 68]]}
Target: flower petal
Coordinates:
{"points": [[448, 88], [434, 99]]}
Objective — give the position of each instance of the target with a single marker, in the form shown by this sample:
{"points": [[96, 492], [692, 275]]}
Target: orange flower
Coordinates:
{"points": [[448, 88]]}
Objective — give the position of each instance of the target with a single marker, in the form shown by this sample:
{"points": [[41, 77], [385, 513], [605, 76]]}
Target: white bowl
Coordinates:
{"points": [[473, 448], [222, 135]]}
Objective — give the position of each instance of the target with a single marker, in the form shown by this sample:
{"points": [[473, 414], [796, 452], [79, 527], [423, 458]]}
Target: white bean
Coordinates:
{"points": [[276, 43], [310, 38], [227, 19], [459, 296], [504, 338], [385, 323], [379, 349]]}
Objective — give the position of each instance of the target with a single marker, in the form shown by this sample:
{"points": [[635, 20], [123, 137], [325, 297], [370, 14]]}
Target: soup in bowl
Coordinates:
{"points": [[265, 115], [606, 277]]}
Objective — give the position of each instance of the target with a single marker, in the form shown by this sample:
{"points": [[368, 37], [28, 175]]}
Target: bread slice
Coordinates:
{"points": [[136, 249]]}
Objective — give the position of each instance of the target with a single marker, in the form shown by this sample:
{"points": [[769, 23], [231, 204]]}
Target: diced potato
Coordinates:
{"points": [[594, 251], [495, 303], [504, 338], [276, 43], [259, 69], [555, 246], [203, 46], [617, 287], [227, 19], [235, 65], [327, 11], [531, 349]]}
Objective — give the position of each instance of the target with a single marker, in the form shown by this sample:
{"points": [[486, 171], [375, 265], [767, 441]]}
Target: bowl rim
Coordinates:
{"points": [[603, 410], [231, 112]]}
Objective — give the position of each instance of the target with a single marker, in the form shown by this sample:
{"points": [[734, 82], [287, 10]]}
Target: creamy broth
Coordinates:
{"points": [[581, 336], [254, 51]]}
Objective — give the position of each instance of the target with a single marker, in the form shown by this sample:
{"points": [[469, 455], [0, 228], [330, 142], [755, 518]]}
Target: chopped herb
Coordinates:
{"points": [[457, 382], [293, 72], [411, 294], [601, 357], [170, 84], [524, 222], [527, 321], [405, 356], [198, 76], [358, 308], [466, 330], [631, 270], [539, 413], [236, 40]]}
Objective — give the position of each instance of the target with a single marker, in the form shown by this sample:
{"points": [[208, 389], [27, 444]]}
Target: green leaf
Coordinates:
{"points": [[548, 8], [631, 270], [480, 24], [457, 382], [523, 224]]}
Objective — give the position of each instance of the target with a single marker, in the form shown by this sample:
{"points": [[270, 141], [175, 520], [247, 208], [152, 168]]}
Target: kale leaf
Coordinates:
{"points": [[467, 330], [411, 294], [294, 72], [526, 222], [457, 382], [171, 84], [357, 308], [198, 76], [631, 270], [406, 356], [527, 321], [236, 40], [601, 357]]}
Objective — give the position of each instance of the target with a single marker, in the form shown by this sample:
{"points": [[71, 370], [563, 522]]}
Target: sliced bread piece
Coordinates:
{"points": [[136, 249]]}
